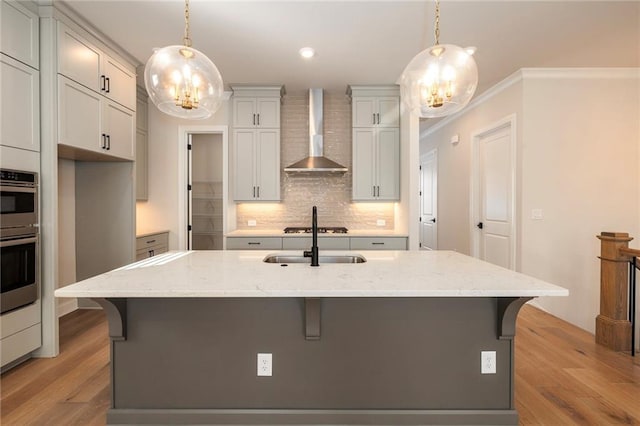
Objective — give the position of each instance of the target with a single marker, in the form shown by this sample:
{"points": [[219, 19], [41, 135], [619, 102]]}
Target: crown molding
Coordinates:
{"points": [[536, 73]]}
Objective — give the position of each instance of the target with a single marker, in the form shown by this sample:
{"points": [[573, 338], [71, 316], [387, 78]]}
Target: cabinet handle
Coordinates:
{"points": [[104, 141], [103, 82], [254, 192], [151, 253], [108, 87], [258, 119], [251, 243], [108, 142], [378, 190], [254, 119], [377, 244], [373, 191], [258, 192], [377, 114], [151, 241], [374, 118]]}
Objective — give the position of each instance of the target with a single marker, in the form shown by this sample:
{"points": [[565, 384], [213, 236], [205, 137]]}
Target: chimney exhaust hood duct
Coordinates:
{"points": [[316, 162]]}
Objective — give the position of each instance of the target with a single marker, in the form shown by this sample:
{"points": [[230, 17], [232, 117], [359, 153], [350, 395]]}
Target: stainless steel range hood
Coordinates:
{"points": [[316, 162]]}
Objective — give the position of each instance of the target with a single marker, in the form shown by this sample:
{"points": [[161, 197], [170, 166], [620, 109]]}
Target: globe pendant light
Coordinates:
{"points": [[182, 81], [439, 80]]}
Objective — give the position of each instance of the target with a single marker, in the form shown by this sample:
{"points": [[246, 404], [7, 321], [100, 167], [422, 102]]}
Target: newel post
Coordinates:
{"points": [[613, 330]]}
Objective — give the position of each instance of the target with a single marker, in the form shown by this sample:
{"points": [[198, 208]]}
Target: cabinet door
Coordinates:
{"points": [[389, 110], [244, 161], [78, 59], [363, 112], [141, 165], [142, 108], [268, 165], [363, 164], [120, 83], [268, 113], [388, 164], [119, 127], [79, 116], [244, 112], [20, 105], [19, 33]]}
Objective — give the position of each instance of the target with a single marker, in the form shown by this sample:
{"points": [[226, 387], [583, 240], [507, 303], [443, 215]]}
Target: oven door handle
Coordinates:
{"points": [[18, 241], [17, 188]]}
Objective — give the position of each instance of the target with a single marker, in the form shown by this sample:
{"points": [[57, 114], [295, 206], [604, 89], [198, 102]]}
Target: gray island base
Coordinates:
{"points": [[396, 340], [352, 361]]}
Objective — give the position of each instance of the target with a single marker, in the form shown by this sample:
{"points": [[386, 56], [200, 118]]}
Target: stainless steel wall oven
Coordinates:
{"points": [[19, 245]]}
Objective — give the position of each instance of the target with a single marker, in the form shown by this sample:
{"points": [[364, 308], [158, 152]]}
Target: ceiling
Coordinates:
{"points": [[370, 42]]}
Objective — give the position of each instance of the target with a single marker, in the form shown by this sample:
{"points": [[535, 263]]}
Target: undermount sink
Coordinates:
{"points": [[277, 258]]}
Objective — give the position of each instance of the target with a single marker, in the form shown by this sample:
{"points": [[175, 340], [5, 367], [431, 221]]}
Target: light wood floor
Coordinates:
{"points": [[562, 377]]}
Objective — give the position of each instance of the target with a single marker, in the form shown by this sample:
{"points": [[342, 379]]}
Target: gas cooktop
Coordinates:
{"points": [[321, 230]]}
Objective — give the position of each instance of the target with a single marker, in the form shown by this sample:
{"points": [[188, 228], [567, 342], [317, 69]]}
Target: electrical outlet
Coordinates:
{"points": [[381, 222], [265, 367], [488, 362], [251, 223]]}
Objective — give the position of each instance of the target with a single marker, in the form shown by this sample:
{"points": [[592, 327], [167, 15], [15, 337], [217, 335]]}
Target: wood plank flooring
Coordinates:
{"points": [[562, 377]]}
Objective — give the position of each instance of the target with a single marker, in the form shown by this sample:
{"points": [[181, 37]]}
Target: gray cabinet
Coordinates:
{"points": [[378, 243], [256, 142], [376, 143], [324, 243], [254, 243], [149, 245], [142, 154]]}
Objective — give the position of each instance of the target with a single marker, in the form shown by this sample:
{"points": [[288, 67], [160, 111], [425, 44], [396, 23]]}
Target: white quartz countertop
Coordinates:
{"points": [[244, 274], [280, 233]]}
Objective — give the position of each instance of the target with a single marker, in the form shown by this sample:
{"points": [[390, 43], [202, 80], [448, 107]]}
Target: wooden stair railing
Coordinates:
{"points": [[615, 326]]}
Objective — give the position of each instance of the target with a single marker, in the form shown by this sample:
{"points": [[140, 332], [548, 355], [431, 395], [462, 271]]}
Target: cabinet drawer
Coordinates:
{"points": [[378, 243], [151, 245], [324, 243], [19, 344], [250, 243]]}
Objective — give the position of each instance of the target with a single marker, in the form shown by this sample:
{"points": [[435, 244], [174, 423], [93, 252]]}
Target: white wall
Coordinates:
{"points": [[66, 231], [578, 145], [580, 166], [161, 212], [454, 162]]}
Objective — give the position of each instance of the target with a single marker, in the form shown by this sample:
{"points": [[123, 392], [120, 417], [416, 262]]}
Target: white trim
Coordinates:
{"points": [[183, 132], [535, 73], [506, 122]]}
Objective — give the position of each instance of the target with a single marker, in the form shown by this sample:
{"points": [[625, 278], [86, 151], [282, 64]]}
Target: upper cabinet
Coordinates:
{"points": [[96, 100], [81, 61], [256, 142], [142, 119], [19, 77], [376, 142], [376, 112], [20, 37]]}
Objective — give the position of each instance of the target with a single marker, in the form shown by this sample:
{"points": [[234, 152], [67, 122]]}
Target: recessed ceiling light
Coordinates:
{"points": [[307, 52]]}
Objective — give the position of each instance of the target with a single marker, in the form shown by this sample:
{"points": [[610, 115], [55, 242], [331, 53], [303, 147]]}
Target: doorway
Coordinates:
{"points": [[429, 200], [205, 204], [493, 194]]}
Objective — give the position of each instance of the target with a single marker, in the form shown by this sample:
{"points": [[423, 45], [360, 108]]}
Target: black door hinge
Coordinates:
{"points": [[189, 228], [188, 147], [189, 187]]}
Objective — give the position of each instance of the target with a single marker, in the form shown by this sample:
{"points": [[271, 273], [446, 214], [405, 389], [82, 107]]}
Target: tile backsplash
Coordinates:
{"points": [[331, 193]]}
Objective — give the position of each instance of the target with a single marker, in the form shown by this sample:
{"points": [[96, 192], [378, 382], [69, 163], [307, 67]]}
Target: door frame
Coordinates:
{"points": [[183, 179], [474, 210], [423, 157]]}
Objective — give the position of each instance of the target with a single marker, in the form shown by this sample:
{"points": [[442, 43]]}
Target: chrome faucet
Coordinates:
{"points": [[313, 253]]}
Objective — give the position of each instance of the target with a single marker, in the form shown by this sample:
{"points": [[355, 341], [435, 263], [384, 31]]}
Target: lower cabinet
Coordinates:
{"points": [[378, 243], [324, 243], [149, 245], [251, 243], [91, 122], [20, 333]]}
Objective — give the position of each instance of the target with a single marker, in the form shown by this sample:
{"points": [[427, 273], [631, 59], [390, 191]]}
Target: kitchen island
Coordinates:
{"points": [[395, 340]]}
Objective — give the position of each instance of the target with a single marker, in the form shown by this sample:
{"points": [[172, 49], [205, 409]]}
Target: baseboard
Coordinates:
{"points": [[310, 417], [66, 306]]}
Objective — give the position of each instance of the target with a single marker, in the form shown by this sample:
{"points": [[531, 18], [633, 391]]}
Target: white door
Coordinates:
{"points": [[429, 201], [189, 191], [494, 218]]}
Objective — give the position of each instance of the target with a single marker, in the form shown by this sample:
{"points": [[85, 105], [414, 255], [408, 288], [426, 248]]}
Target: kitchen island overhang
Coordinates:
{"points": [[396, 340]]}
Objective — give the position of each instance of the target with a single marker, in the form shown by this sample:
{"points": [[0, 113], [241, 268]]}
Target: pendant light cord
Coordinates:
{"points": [[437, 25], [187, 31]]}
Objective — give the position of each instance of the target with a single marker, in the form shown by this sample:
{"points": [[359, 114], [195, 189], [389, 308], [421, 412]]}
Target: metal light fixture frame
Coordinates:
{"points": [[440, 80], [182, 81]]}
